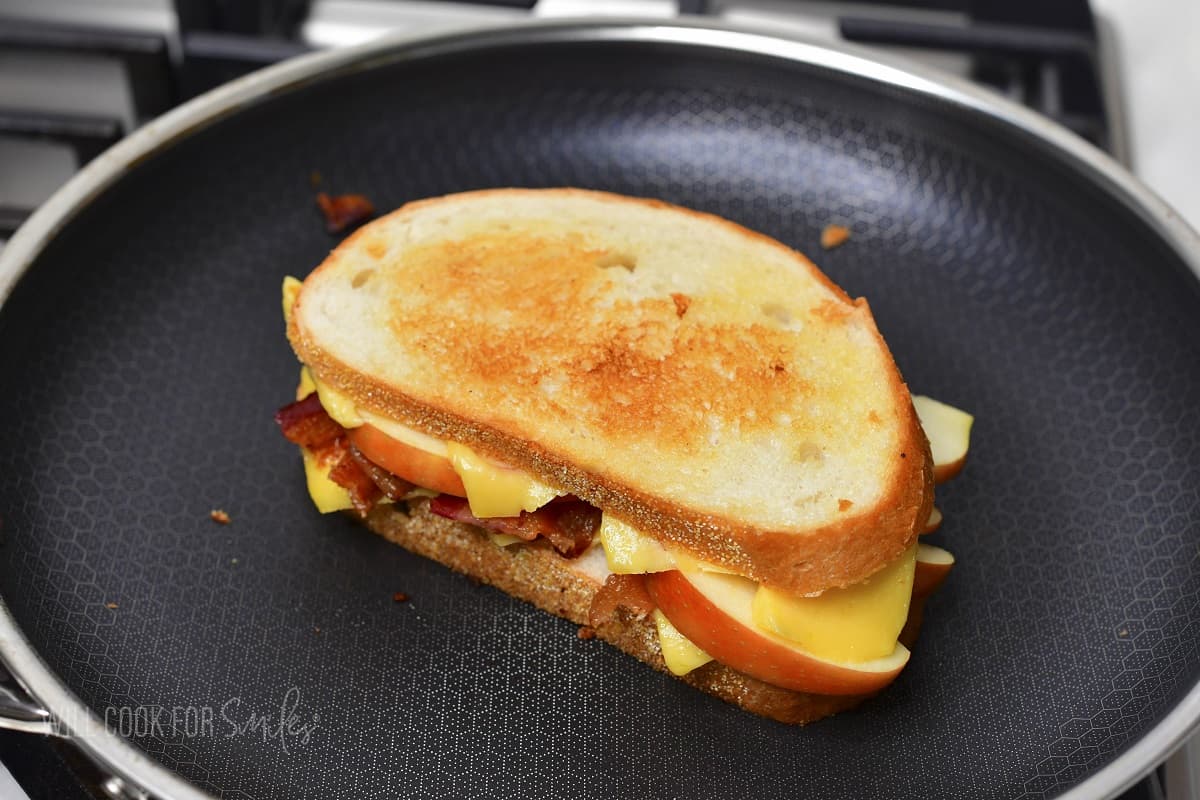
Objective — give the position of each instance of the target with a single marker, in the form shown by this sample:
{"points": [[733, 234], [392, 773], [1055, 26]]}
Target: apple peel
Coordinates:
{"points": [[949, 432]]}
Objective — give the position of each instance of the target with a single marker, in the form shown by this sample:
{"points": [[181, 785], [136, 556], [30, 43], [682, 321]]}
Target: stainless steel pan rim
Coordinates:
{"points": [[133, 772]]}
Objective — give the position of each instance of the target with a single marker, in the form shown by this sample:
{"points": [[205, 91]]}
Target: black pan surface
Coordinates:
{"points": [[143, 355]]}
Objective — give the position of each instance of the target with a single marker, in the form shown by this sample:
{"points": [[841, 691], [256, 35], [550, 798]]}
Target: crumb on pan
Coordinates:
{"points": [[834, 236], [400, 597], [344, 211], [314, 179], [110, 605], [218, 515]]}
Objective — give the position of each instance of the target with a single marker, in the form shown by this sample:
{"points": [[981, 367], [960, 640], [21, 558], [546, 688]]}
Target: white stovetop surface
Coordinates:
{"points": [[1153, 61]]}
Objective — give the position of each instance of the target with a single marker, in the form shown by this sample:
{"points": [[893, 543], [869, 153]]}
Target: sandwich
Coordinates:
{"points": [[672, 431]]}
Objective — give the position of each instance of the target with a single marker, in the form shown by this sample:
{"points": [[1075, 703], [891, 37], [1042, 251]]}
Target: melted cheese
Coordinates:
{"points": [[307, 384], [494, 490], [629, 551], [291, 290], [326, 495], [681, 655], [503, 539], [337, 405], [856, 623]]}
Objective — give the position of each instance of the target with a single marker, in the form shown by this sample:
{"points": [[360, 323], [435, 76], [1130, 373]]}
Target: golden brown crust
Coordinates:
{"points": [[538, 575], [860, 542]]}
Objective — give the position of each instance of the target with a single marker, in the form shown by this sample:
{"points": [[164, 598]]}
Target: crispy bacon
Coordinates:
{"points": [[345, 472], [344, 211], [458, 509], [620, 591], [391, 485], [306, 423], [568, 526]]}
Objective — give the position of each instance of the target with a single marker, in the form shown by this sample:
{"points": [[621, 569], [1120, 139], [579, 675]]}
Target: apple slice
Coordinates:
{"points": [[949, 432], [933, 565], [933, 523], [714, 611], [414, 464]]}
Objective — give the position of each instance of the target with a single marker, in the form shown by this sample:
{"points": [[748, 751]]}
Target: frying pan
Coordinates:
{"points": [[1014, 270]]}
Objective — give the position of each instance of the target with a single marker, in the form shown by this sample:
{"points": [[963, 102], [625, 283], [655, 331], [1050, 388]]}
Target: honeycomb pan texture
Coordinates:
{"points": [[143, 356]]}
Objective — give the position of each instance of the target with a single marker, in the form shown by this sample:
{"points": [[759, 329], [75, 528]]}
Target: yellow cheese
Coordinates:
{"points": [[630, 551], [496, 491], [337, 405], [688, 564], [291, 289], [503, 539], [681, 655], [326, 495], [307, 385], [856, 623]]}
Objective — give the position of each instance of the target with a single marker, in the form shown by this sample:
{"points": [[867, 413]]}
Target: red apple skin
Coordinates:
{"points": [[944, 472], [912, 626], [928, 577], [416, 466], [744, 649]]}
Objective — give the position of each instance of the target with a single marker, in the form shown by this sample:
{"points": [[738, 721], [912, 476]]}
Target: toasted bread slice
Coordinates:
{"points": [[702, 382], [537, 574]]}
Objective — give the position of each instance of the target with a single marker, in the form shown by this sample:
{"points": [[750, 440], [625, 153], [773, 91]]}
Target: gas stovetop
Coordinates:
{"points": [[77, 76]]}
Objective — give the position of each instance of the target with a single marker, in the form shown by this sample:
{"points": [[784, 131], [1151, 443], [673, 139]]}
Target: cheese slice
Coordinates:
{"points": [[680, 653], [494, 490], [629, 551], [326, 495], [291, 290], [337, 405], [856, 623], [307, 385]]}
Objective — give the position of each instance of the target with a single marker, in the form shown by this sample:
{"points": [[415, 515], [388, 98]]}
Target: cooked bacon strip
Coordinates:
{"points": [[344, 211], [347, 473], [458, 509], [620, 591], [390, 484], [306, 423], [569, 527]]}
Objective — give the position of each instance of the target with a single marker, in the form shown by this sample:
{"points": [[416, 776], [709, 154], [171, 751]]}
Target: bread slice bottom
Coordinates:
{"points": [[537, 574]]}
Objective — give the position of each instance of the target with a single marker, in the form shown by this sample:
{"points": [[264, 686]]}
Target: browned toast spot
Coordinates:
{"points": [[550, 287]]}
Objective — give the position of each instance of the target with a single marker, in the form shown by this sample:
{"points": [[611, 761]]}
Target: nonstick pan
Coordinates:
{"points": [[1015, 271]]}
